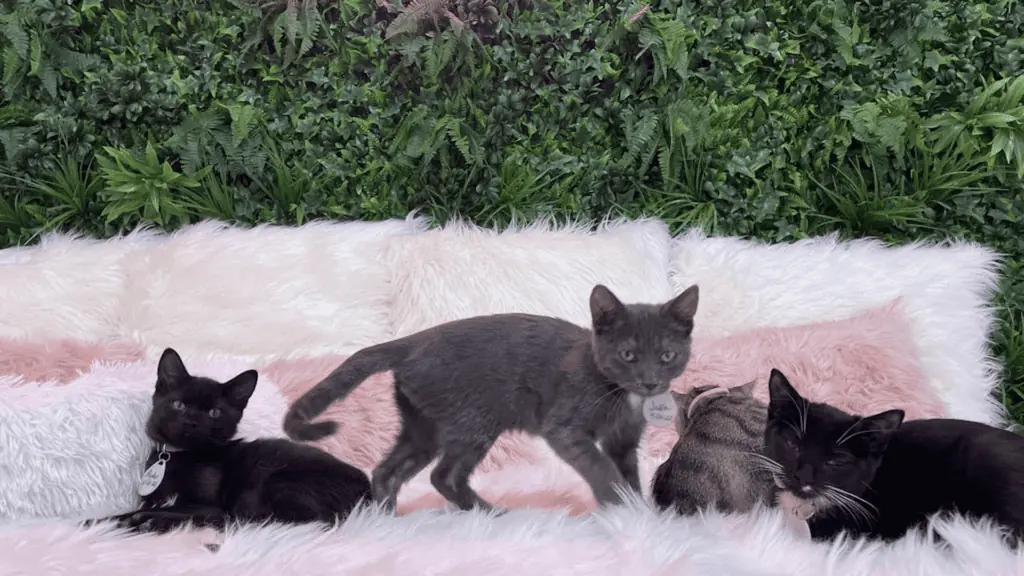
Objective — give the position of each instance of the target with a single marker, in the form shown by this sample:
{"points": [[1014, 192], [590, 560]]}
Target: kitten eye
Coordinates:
{"points": [[178, 405], [214, 412], [667, 356], [627, 355]]}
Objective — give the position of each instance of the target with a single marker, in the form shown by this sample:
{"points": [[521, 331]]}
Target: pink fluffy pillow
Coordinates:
{"points": [[61, 360], [864, 364]]}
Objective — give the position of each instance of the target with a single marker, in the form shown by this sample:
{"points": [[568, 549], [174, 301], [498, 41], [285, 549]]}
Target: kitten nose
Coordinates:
{"points": [[650, 385]]}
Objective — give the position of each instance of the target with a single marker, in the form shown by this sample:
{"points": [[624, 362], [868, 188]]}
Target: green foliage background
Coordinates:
{"points": [[900, 119]]}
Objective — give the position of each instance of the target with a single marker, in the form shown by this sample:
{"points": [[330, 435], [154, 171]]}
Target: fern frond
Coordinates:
{"points": [[640, 135], [291, 20], [312, 24], [243, 119], [417, 12], [14, 33], [453, 128], [64, 58], [12, 140], [12, 66]]}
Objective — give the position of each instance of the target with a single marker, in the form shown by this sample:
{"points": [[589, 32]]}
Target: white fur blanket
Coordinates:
{"points": [[260, 295], [629, 541]]}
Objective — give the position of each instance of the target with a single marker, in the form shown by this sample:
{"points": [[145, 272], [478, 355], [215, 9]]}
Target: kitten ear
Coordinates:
{"points": [[241, 387], [746, 389], [781, 394], [876, 429], [170, 370], [683, 308], [682, 403], [606, 311]]}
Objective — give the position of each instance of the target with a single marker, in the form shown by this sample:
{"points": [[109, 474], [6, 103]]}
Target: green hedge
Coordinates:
{"points": [[888, 118]]}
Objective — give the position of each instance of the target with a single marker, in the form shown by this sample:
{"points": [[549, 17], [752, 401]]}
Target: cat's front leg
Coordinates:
{"points": [[592, 464], [121, 520], [161, 520], [621, 446]]}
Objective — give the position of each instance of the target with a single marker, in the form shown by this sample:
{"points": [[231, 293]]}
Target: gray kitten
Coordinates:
{"points": [[715, 462], [459, 385]]}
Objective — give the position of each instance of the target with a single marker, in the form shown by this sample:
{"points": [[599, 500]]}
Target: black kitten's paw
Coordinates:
{"points": [[149, 522], [120, 520]]}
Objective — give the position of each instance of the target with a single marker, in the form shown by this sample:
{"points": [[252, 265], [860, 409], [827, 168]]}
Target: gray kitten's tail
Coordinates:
{"points": [[338, 384]]}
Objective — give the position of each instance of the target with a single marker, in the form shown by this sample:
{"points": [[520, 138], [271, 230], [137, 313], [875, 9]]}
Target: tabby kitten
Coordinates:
{"points": [[199, 474], [459, 385], [717, 460], [878, 476]]}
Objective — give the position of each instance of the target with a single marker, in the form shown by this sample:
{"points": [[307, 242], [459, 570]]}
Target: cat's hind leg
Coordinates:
{"points": [[460, 458], [415, 448]]}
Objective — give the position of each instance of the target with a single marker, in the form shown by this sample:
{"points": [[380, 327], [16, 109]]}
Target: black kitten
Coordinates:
{"points": [[878, 476], [459, 385], [199, 474]]}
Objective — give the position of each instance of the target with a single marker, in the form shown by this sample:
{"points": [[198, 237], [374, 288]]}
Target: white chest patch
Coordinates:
{"points": [[635, 401]]}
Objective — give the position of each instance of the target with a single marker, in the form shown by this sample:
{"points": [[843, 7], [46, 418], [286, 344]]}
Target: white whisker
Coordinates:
{"points": [[842, 437], [855, 498], [849, 503], [795, 429], [765, 461], [846, 437], [801, 410]]}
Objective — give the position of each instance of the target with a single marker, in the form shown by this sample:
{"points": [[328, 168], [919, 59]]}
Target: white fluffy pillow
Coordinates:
{"points": [[65, 287], [79, 450], [946, 290], [463, 270], [265, 291]]}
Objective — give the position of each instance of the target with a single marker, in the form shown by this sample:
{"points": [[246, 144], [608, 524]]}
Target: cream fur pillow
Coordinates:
{"points": [[265, 291], [65, 287], [463, 270], [945, 290]]}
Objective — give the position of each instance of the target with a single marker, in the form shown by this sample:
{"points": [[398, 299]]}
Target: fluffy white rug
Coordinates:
{"points": [[267, 293], [624, 541]]}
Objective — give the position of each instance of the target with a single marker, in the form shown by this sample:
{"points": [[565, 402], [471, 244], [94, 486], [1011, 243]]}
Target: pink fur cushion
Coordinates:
{"points": [[864, 364], [61, 360]]}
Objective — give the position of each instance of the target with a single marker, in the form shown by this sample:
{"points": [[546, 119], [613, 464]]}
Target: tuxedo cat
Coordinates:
{"points": [[199, 474], [878, 476]]}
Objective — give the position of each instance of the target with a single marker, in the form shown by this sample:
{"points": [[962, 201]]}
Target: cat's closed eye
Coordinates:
{"points": [[214, 412], [667, 356], [627, 355], [178, 405], [835, 461]]}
